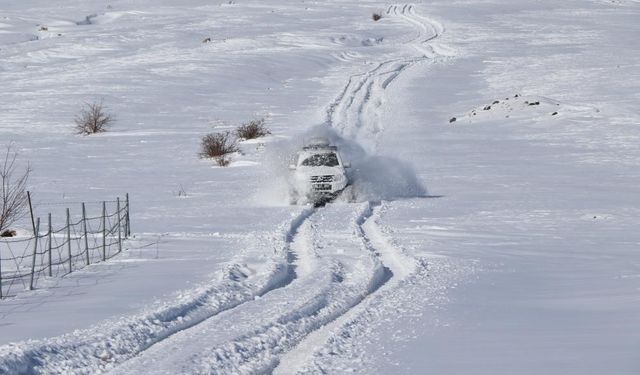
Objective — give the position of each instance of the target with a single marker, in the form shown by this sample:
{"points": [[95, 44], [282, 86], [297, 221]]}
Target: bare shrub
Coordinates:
{"points": [[13, 194], [252, 129], [93, 119], [218, 146], [223, 160], [376, 16]]}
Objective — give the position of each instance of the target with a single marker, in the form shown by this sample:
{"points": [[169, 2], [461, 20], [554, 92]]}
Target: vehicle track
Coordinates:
{"points": [[355, 111], [355, 115], [337, 270], [396, 267]]}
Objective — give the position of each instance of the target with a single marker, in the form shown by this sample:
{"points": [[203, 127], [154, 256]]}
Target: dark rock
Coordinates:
{"points": [[206, 40], [8, 233], [495, 102], [534, 103], [554, 113], [486, 108], [453, 119]]}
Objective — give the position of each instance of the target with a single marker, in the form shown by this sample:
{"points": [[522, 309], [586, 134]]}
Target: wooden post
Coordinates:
{"points": [[33, 222], [119, 226], [69, 240], [50, 245], [104, 231], [128, 227], [86, 236], [35, 251]]}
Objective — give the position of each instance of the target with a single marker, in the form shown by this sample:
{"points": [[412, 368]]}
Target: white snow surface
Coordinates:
{"points": [[502, 242]]}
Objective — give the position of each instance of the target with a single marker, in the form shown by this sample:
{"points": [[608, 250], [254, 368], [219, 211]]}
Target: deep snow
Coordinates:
{"points": [[505, 242]]}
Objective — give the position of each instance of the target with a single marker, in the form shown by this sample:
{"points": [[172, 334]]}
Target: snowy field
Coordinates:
{"points": [[505, 241]]}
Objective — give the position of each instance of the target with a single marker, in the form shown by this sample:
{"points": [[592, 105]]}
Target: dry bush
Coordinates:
{"points": [[376, 16], [13, 193], [223, 160], [218, 146], [93, 119], [252, 129]]}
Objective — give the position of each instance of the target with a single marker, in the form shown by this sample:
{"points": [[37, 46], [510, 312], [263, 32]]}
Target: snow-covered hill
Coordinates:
{"points": [[504, 241]]}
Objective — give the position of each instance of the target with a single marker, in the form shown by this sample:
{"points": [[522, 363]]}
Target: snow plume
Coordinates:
{"points": [[373, 177]]}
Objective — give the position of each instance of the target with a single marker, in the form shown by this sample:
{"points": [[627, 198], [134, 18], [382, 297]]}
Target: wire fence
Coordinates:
{"points": [[50, 252]]}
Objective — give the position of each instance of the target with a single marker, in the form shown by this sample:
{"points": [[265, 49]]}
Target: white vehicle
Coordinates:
{"points": [[318, 173]]}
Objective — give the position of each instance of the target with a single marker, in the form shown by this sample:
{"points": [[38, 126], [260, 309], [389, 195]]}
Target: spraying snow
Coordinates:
{"points": [[371, 177]]}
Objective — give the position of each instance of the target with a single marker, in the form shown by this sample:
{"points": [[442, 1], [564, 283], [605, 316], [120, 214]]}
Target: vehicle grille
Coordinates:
{"points": [[322, 187], [328, 178]]}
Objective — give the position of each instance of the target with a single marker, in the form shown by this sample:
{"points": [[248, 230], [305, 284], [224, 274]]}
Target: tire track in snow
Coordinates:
{"points": [[396, 267], [337, 270], [355, 113], [101, 347], [338, 267]]}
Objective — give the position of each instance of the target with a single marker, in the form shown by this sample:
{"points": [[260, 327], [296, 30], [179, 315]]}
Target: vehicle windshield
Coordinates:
{"points": [[329, 159]]}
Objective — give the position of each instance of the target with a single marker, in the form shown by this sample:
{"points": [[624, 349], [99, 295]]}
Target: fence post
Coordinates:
{"points": [[119, 226], [35, 251], [104, 231], [69, 240], [33, 222], [50, 246], [128, 227], [84, 227]]}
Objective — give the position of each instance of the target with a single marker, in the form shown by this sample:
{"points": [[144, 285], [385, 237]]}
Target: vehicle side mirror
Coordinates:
{"points": [[347, 164], [292, 167]]}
